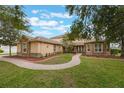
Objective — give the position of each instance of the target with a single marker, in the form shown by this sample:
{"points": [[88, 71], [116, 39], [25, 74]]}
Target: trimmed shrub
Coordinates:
{"points": [[115, 51], [69, 49], [1, 51], [38, 55]]}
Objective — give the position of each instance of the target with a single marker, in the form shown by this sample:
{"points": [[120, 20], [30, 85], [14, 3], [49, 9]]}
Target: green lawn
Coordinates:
{"points": [[62, 58], [91, 72]]}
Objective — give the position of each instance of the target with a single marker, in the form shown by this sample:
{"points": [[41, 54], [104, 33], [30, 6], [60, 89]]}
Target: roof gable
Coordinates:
{"points": [[46, 40]]}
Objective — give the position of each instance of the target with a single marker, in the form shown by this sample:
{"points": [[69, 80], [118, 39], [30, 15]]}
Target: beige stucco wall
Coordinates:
{"points": [[90, 47], [44, 48], [34, 47], [18, 48], [58, 48]]}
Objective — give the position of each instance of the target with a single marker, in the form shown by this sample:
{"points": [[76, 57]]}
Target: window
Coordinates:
{"points": [[88, 47], [98, 48], [24, 47]]}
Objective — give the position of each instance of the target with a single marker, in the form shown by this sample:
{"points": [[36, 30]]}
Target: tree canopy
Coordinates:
{"points": [[100, 22], [13, 23]]}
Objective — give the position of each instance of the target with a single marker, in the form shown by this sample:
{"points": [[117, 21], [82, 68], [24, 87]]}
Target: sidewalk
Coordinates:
{"points": [[27, 64]]}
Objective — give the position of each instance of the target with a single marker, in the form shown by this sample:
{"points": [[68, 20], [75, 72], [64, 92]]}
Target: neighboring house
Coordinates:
{"points": [[115, 46], [38, 47], [6, 49], [88, 47]]}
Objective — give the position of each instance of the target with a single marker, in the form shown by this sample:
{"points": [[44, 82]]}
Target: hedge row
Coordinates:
{"points": [[115, 51]]}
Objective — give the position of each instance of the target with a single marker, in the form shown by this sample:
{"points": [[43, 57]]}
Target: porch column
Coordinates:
{"points": [[21, 47], [78, 49], [81, 48]]}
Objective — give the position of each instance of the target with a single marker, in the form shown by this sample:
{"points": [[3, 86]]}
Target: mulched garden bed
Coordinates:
{"points": [[32, 59]]}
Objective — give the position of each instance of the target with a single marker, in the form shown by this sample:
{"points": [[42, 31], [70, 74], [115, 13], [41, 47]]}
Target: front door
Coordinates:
{"points": [[80, 49], [24, 48]]}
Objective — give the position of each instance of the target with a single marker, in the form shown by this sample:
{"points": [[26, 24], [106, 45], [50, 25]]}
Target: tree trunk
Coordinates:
{"points": [[122, 49], [10, 50]]}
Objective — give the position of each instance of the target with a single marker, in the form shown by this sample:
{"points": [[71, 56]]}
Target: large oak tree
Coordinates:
{"points": [[100, 22]]}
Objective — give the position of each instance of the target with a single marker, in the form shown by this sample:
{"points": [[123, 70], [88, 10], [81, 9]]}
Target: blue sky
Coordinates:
{"points": [[48, 21]]}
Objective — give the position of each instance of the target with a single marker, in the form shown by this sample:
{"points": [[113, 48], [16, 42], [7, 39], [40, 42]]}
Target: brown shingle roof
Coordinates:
{"points": [[46, 40], [56, 37], [101, 41], [77, 43]]}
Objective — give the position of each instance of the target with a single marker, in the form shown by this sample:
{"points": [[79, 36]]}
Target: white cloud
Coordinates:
{"points": [[44, 15], [45, 21], [61, 22], [35, 21], [55, 14], [35, 11], [42, 33], [60, 15], [47, 14], [62, 28], [46, 33], [48, 25]]}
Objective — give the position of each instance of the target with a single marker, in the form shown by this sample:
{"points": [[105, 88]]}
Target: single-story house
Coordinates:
{"points": [[41, 47], [88, 47], [38, 47]]}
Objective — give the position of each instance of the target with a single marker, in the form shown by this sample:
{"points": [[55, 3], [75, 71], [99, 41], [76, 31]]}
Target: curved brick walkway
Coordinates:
{"points": [[26, 64]]}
